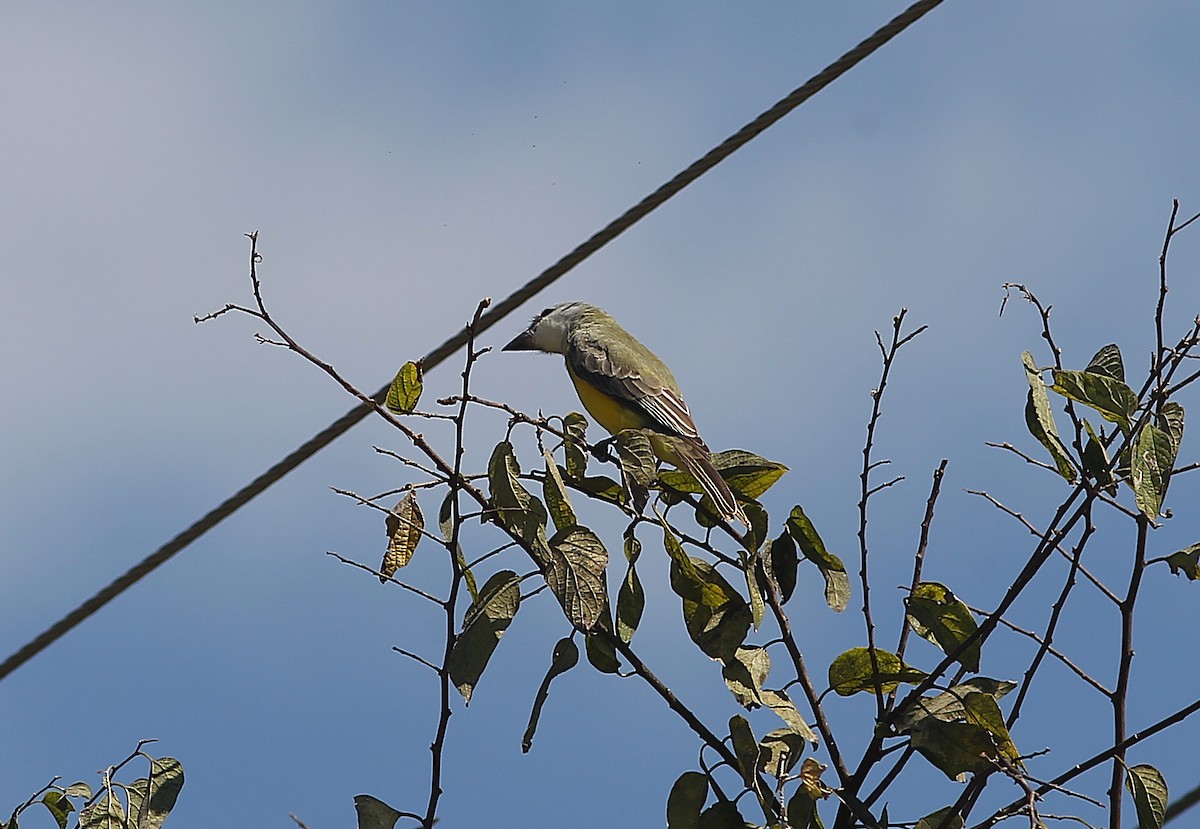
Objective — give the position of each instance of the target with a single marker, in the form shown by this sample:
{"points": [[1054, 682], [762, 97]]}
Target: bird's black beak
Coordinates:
{"points": [[522, 342]]}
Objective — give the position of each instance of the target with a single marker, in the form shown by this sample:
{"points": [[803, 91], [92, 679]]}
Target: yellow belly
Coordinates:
{"points": [[609, 413]]}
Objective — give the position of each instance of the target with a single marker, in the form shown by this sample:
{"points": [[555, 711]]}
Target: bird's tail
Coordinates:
{"points": [[697, 460]]}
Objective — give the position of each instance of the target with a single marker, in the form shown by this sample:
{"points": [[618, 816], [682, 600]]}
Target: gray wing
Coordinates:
{"points": [[610, 369]]}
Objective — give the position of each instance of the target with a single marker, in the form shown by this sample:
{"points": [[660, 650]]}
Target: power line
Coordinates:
{"points": [[598, 240]]}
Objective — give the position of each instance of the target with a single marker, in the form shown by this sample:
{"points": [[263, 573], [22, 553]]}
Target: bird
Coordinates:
{"points": [[623, 385]]}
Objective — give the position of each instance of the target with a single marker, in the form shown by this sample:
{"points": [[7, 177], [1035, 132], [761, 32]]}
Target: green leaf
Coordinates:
{"points": [[631, 599], [782, 705], [601, 653], [745, 674], [566, 657], [516, 509], [685, 563], [1149, 791], [802, 811], [955, 748], [1114, 400], [59, 806], [971, 746], [723, 814], [948, 706], [1170, 420], [837, 583], [784, 562], [938, 818], [686, 800], [982, 710], [1108, 362], [373, 813], [1150, 468], [758, 608], [601, 487], [575, 572], [1040, 420], [631, 602], [745, 472], [1186, 561], [779, 751], [756, 534], [745, 747], [636, 456], [716, 616], [852, 672], [485, 622], [936, 614], [558, 503], [404, 526], [574, 447], [106, 813], [446, 516], [79, 789], [405, 391], [152, 799], [1096, 463]]}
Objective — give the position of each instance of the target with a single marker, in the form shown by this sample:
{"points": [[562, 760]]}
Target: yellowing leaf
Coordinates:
{"points": [[405, 391], [852, 672], [404, 526], [1186, 561], [938, 615]]}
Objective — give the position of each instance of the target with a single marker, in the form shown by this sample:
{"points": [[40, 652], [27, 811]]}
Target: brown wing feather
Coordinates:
{"points": [[699, 463]]}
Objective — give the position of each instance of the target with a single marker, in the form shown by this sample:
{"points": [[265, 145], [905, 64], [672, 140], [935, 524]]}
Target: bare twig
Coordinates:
{"points": [[410, 588], [888, 355]]}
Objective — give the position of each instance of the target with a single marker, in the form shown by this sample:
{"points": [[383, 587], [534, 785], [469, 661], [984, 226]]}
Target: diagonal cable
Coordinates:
{"points": [[502, 309]]}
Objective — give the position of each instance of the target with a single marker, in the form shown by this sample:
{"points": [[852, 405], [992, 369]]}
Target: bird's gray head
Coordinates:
{"points": [[551, 329]]}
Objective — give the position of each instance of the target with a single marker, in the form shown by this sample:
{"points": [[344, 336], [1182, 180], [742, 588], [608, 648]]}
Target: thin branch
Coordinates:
{"points": [[1099, 585], [1120, 694], [888, 355], [1057, 654], [1095, 760], [919, 557], [1008, 447], [458, 575], [1052, 624], [418, 658], [392, 579]]}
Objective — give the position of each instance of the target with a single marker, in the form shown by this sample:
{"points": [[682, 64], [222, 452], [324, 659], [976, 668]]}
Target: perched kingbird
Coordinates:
{"points": [[624, 386]]}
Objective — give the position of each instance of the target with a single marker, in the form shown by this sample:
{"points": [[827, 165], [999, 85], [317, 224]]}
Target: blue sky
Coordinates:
{"points": [[403, 160]]}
